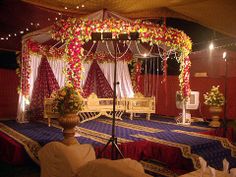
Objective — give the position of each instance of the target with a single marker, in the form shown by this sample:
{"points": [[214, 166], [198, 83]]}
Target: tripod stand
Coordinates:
{"points": [[113, 138]]}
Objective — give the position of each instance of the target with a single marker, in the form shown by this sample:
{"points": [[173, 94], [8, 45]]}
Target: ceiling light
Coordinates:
{"points": [[2, 38], [77, 7], [27, 29], [59, 13], [224, 55], [9, 35], [31, 23], [49, 19], [55, 18], [65, 8], [6, 38], [38, 24], [15, 34], [82, 5], [21, 32], [211, 46]]}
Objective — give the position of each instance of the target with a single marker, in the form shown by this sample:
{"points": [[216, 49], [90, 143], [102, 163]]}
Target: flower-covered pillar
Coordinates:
{"points": [[23, 73], [184, 84]]}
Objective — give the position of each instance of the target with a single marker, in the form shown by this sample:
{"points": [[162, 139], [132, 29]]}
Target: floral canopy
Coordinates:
{"points": [[75, 32]]}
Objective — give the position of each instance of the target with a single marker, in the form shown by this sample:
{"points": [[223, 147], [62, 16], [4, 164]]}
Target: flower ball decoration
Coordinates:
{"points": [[214, 97], [67, 100]]}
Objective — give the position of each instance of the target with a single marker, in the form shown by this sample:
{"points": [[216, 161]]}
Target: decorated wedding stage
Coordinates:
{"points": [[68, 52], [159, 138]]}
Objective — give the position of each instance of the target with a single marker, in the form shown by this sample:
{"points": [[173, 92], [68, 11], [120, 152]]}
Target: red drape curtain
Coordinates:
{"points": [[44, 85], [96, 82], [8, 93], [165, 102]]}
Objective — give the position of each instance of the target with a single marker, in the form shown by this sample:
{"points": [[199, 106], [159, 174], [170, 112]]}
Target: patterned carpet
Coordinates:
{"points": [[97, 132]]}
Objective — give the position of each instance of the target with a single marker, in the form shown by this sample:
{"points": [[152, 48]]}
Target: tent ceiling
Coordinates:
{"points": [[216, 14], [16, 15]]}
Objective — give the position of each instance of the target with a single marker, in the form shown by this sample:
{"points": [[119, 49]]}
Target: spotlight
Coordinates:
{"points": [[211, 46], [224, 55]]}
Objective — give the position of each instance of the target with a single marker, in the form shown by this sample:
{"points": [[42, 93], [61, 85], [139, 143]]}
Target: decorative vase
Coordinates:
{"points": [[68, 122], [215, 112]]}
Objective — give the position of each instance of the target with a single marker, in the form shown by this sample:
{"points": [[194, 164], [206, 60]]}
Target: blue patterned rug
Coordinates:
{"points": [[97, 133]]}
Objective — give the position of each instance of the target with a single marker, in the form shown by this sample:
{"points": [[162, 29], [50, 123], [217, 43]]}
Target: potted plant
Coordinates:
{"points": [[215, 99], [67, 101]]}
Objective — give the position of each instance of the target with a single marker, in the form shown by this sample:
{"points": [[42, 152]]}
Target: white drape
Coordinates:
{"points": [[58, 65], [35, 62], [124, 88]]}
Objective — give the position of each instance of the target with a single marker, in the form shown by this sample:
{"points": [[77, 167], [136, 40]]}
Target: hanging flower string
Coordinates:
{"points": [[104, 57], [137, 77]]}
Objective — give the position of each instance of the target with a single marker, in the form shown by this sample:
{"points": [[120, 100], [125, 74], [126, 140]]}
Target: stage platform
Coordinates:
{"points": [[160, 138]]}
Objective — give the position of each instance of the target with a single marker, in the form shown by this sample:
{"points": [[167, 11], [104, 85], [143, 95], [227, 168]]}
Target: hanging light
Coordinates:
{"points": [[211, 46]]}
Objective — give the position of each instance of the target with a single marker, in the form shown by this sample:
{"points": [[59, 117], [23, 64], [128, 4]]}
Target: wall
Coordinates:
{"points": [[165, 97], [8, 94]]}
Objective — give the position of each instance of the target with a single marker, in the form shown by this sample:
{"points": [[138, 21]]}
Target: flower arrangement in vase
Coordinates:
{"points": [[67, 101], [215, 99]]}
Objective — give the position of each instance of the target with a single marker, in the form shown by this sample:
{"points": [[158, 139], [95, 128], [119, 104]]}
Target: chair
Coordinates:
{"points": [[60, 160]]}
